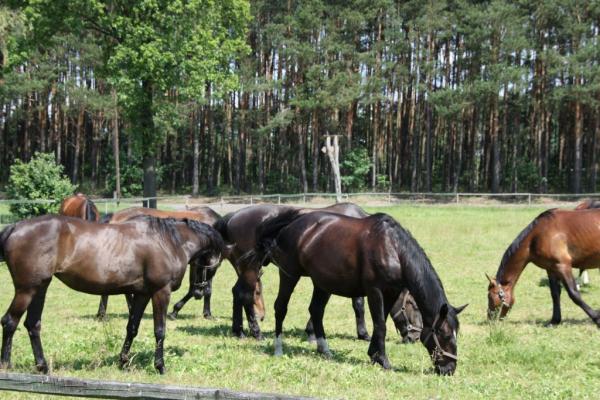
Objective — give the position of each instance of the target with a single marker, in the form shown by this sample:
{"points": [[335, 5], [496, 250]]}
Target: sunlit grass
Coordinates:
{"points": [[515, 358]]}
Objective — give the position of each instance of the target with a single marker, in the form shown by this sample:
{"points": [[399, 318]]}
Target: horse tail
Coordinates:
{"points": [[4, 235], [221, 226], [91, 212]]}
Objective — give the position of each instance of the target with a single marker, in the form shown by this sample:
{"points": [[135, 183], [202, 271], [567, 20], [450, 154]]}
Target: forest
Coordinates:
{"points": [[232, 97]]}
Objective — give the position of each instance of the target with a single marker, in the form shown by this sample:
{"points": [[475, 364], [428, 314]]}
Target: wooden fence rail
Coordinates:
{"points": [[75, 387]]}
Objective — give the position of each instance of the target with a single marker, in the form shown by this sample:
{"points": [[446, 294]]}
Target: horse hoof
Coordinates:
{"points": [[364, 336], [311, 338], [5, 365], [239, 335], [258, 336], [172, 316], [381, 360], [161, 369], [552, 324], [209, 317], [278, 353], [326, 354], [101, 317], [123, 360], [42, 368]]}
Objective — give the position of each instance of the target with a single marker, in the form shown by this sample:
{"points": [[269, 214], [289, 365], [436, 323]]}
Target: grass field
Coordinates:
{"points": [[516, 358]]}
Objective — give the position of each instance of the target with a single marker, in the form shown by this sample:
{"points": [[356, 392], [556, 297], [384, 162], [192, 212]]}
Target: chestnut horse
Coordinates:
{"points": [[239, 228], [144, 256], [200, 278], [352, 257], [557, 241], [80, 206]]}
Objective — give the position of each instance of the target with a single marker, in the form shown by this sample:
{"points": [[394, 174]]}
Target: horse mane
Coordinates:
{"points": [[201, 228], [91, 212], [516, 244], [106, 218], [221, 226], [588, 204], [165, 227], [421, 279]]}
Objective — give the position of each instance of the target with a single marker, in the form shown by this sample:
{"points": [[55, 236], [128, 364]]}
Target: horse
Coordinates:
{"points": [[352, 257], [200, 278], [239, 228], [407, 317], [144, 256], [557, 241], [586, 205], [80, 206]]}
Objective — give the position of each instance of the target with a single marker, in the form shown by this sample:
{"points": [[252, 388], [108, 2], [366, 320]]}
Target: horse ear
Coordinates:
{"points": [[443, 311], [458, 310], [492, 281]]}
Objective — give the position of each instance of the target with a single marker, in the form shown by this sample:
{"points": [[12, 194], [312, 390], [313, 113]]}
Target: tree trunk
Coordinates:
{"points": [[147, 135], [115, 143]]}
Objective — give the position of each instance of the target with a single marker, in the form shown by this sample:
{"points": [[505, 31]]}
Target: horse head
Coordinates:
{"points": [[500, 299], [440, 339]]}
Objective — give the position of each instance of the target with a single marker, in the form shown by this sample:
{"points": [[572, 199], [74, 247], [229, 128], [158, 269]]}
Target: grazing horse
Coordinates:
{"points": [[80, 206], [351, 257], [239, 228], [407, 317], [144, 256], [586, 205], [200, 278], [557, 241]]}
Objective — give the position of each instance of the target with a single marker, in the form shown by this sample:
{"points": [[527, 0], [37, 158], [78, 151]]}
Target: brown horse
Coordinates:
{"points": [[145, 256], [352, 257], [200, 278], [557, 241], [239, 228], [80, 206]]}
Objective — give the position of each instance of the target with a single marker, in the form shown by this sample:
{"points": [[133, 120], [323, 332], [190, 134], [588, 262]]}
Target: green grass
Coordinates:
{"points": [[516, 358]]}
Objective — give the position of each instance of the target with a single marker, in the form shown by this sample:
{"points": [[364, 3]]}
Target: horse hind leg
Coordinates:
{"points": [[317, 310], [566, 276], [10, 321], [33, 324], [179, 305], [101, 314], [206, 313], [160, 305], [358, 304]]}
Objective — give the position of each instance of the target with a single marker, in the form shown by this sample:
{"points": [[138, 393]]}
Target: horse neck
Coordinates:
{"points": [[426, 288], [511, 268]]}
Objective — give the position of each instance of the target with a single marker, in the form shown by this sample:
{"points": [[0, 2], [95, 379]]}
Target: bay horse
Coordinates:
{"points": [[557, 241], [200, 278], [585, 205], [352, 257], [81, 206], [145, 257], [239, 228]]}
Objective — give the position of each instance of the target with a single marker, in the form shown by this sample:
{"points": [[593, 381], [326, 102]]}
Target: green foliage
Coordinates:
{"points": [[355, 169], [39, 179]]}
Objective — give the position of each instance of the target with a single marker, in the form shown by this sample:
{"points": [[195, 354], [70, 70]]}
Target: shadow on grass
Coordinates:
{"points": [[213, 330], [137, 360], [537, 321]]}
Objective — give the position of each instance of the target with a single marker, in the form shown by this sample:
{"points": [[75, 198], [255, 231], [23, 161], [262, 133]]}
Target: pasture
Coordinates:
{"points": [[515, 358]]}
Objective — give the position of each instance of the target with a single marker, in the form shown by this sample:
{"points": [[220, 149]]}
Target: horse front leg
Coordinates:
{"points": [[378, 313], [160, 305], [358, 304], [237, 323], [10, 321], [33, 324], [101, 314], [286, 287], [206, 312], [555, 289], [317, 310], [566, 276], [179, 305], [135, 316]]}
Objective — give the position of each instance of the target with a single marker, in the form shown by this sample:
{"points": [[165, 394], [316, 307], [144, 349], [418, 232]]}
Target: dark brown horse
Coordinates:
{"points": [[351, 257], [80, 206], [200, 278], [239, 228], [557, 241], [145, 256], [407, 317]]}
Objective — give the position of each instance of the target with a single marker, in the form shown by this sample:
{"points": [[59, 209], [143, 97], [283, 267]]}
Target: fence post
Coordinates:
{"points": [[251, 201], [304, 198], [278, 199], [456, 197], [529, 199]]}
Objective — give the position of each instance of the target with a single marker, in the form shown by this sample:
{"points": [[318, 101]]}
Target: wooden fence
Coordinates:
{"points": [[56, 385]]}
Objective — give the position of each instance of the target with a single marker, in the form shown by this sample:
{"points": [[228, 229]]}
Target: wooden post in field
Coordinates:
{"points": [[333, 152]]}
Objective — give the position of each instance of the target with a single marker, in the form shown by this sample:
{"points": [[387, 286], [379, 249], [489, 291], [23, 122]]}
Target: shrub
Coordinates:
{"points": [[39, 179], [355, 169]]}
